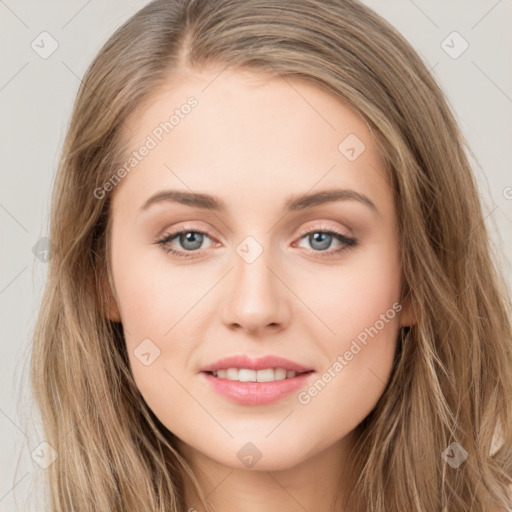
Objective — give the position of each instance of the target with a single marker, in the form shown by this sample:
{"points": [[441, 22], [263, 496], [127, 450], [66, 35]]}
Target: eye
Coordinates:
{"points": [[320, 239], [190, 239]]}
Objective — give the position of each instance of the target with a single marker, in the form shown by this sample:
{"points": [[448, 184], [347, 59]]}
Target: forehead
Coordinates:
{"points": [[249, 102], [257, 135]]}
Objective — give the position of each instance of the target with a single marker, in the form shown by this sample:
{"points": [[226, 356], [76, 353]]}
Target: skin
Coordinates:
{"points": [[253, 141]]}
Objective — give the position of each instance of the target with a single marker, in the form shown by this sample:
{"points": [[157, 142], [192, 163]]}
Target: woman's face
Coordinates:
{"points": [[266, 266]]}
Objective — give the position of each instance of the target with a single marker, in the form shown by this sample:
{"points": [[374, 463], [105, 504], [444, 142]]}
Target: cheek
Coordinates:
{"points": [[351, 297], [358, 308], [156, 301], [151, 295], [151, 301]]}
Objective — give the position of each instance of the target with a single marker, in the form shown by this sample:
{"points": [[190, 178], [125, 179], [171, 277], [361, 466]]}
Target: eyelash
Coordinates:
{"points": [[347, 241]]}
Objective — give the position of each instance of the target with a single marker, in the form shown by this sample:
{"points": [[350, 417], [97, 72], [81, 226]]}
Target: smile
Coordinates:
{"points": [[255, 392], [247, 375]]}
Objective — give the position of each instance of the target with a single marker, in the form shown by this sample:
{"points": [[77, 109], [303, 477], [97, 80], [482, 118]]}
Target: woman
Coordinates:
{"points": [[271, 286]]}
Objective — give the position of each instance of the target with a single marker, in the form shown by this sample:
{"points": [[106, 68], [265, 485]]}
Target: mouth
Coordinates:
{"points": [[243, 386], [263, 375], [255, 381]]}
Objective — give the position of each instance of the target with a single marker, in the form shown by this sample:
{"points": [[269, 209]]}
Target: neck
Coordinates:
{"points": [[319, 482]]}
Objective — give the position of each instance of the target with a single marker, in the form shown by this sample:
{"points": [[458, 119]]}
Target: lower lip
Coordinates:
{"points": [[256, 393]]}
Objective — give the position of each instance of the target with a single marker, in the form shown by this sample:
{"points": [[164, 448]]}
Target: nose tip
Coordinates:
{"points": [[256, 299]]}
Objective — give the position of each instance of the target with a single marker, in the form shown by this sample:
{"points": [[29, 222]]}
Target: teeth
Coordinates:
{"points": [[279, 374], [232, 374], [245, 375], [267, 375]]}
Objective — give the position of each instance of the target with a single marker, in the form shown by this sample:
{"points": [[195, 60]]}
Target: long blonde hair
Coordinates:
{"points": [[452, 379]]}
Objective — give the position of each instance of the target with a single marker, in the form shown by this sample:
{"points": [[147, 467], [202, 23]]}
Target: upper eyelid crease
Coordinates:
{"points": [[293, 203]]}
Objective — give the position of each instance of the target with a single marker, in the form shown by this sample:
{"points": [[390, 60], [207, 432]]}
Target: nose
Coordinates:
{"points": [[257, 299]]}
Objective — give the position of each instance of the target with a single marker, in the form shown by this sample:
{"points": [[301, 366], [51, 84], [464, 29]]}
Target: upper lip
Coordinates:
{"points": [[260, 363]]}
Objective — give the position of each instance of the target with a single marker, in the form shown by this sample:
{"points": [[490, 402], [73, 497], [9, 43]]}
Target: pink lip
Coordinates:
{"points": [[243, 361], [256, 393]]}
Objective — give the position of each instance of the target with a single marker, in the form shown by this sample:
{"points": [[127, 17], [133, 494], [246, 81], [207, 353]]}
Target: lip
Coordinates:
{"points": [[244, 361], [256, 393]]}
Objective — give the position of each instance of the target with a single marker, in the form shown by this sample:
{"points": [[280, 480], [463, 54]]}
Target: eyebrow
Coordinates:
{"points": [[293, 203]]}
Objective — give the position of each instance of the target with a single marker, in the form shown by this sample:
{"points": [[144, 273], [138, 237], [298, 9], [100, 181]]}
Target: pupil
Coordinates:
{"points": [[189, 239], [317, 237]]}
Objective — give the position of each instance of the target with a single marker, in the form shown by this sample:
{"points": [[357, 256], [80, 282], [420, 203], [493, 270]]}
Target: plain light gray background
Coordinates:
{"points": [[36, 97]]}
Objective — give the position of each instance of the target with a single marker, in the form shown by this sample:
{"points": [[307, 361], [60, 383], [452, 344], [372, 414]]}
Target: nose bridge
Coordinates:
{"points": [[256, 295], [252, 275]]}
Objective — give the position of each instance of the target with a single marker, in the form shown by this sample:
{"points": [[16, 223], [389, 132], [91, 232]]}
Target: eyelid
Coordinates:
{"points": [[322, 227], [190, 226]]}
